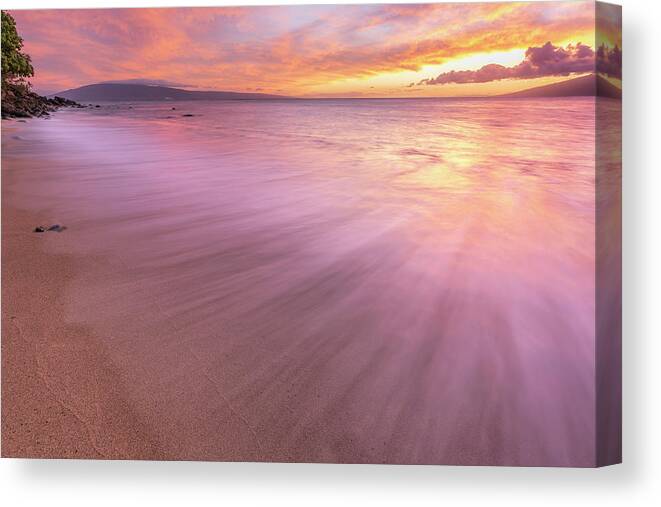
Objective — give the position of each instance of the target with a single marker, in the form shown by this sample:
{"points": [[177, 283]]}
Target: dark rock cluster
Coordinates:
{"points": [[18, 101]]}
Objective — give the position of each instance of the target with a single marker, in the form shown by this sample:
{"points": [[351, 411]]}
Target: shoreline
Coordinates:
{"points": [[61, 395], [19, 101]]}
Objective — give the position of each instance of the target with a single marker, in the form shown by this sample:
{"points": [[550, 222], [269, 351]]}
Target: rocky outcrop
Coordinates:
{"points": [[18, 101]]}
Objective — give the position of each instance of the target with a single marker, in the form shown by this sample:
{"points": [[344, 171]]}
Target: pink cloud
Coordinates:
{"points": [[542, 61], [609, 61]]}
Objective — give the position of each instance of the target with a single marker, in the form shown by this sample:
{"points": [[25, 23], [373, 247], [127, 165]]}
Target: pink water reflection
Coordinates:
{"points": [[402, 281]]}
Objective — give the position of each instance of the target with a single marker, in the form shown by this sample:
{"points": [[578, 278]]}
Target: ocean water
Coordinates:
{"points": [[405, 281]]}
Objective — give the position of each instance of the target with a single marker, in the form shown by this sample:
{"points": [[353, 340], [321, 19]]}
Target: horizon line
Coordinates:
{"points": [[276, 96]]}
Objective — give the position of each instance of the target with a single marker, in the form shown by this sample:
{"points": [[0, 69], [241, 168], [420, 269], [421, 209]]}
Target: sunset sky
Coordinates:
{"points": [[402, 50]]}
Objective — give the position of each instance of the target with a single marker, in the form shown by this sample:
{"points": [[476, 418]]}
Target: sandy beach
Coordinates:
{"points": [[61, 394], [300, 290]]}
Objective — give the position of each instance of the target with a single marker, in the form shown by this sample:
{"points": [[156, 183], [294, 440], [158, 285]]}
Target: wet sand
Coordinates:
{"points": [[292, 291]]}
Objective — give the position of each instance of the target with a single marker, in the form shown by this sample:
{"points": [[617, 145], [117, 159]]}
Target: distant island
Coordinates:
{"points": [[585, 86], [120, 92], [590, 85]]}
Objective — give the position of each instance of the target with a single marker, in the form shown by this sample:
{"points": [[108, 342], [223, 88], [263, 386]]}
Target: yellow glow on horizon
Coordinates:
{"points": [[396, 83], [475, 61], [374, 85]]}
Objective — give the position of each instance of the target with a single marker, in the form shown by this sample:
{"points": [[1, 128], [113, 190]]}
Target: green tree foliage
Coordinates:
{"points": [[16, 66]]}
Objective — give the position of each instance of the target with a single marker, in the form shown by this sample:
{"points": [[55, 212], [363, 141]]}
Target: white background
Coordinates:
{"points": [[637, 482]]}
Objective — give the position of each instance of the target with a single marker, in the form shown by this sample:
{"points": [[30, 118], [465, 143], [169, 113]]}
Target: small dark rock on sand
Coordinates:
{"points": [[188, 115], [54, 228]]}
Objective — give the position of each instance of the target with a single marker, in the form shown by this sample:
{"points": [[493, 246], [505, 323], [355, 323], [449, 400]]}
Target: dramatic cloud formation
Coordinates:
{"points": [[547, 60], [609, 61], [298, 49]]}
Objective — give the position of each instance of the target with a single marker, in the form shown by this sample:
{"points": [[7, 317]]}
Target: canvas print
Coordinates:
{"points": [[372, 233]]}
